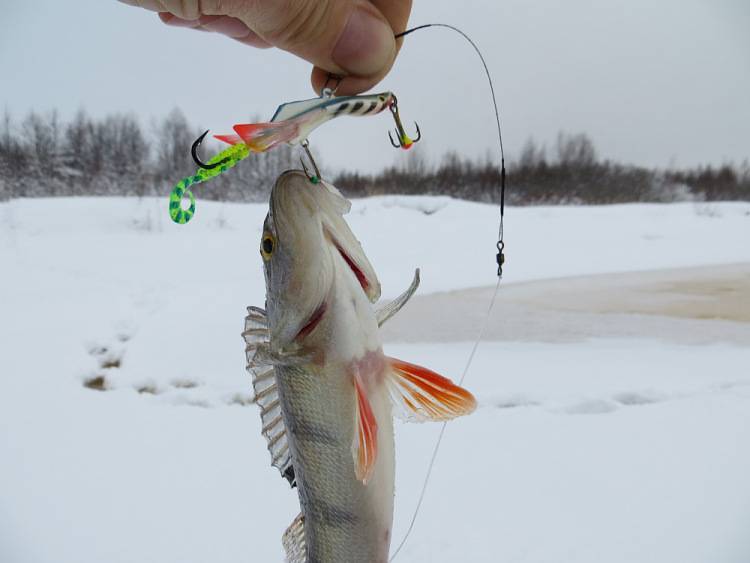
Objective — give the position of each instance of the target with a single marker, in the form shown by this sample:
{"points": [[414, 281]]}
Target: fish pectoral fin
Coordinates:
{"points": [[385, 312], [293, 541], [365, 445], [419, 394], [260, 137]]}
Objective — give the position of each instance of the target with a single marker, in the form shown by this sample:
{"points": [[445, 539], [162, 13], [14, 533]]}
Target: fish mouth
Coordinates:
{"points": [[320, 311], [361, 278], [359, 274]]}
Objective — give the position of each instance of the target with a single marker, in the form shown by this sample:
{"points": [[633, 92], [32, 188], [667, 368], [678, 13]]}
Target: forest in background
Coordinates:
{"points": [[43, 156]]}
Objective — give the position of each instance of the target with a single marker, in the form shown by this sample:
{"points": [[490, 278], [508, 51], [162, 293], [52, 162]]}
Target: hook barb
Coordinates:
{"points": [[404, 142], [197, 160], [395, 144]]}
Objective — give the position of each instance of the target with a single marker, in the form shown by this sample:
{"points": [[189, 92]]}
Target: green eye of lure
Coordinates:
{"points": [[291, 124]]}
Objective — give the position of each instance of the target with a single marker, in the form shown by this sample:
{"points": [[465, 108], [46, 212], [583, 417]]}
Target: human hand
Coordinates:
{"points": [[351, 38]]}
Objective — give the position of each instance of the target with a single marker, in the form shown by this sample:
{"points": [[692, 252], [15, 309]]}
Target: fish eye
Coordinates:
{"points": [[267, 245]]}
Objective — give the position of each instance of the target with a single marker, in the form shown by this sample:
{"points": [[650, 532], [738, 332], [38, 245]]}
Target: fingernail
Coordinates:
{"points": [[366, 45]]}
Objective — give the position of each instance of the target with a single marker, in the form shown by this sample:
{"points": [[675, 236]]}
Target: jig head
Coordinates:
{"points": [[404, 142]]}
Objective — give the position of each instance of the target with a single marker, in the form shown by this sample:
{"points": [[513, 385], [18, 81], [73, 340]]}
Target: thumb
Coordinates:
{"points": [[347, 37]]}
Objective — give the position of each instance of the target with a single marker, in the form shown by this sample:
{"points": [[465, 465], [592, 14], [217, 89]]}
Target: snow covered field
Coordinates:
{"points": [[609, 430]]}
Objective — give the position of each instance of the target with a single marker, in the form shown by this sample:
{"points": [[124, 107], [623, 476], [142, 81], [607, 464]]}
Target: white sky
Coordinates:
{"points": [[653, 83]]}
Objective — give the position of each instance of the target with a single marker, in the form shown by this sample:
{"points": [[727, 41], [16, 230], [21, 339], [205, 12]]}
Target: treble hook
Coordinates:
{"points": [[194, 153], [314, 178], [404, 142]]}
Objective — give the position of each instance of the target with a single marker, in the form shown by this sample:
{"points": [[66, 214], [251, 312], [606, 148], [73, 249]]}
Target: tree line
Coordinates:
{"points": [[115, 156], [42, 156], [571, 174]]}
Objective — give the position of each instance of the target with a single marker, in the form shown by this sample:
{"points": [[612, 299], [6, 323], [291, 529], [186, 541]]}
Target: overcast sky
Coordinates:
{"points": [[656, 83]]}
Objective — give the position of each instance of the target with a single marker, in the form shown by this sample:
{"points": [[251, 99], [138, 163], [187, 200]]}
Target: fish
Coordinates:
{"points": [[327, 392]]}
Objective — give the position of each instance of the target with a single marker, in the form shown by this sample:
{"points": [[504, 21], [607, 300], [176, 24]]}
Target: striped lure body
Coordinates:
{"points": [[326, 390]]}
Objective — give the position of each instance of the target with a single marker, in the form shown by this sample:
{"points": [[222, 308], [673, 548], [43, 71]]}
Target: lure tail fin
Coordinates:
{"points": [[419, 394], [229, 139], [260, 137]]}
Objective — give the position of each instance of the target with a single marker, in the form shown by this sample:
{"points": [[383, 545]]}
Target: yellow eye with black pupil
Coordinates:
{"points": [[266, 246]]}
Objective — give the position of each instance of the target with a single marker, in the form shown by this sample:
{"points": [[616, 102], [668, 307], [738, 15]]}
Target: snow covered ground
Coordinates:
{"points": [[609, 430]]}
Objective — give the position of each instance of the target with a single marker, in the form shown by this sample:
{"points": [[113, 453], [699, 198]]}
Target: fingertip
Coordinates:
{"points": [[366, 44]]}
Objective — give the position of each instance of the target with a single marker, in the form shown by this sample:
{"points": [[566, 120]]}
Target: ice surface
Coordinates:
{"points": [[126, 433]]}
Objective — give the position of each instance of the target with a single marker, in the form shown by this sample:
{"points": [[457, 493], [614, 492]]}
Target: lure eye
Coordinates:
{"points": [[267, 245]]}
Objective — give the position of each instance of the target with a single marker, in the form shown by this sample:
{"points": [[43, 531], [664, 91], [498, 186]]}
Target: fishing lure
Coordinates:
{"points": [[292, 123]]}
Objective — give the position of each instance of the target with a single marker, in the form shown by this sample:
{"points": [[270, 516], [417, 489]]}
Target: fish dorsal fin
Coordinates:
{"points": [[419, 394], [385, 312], [266, 394], [293, 541], [365, 445]]}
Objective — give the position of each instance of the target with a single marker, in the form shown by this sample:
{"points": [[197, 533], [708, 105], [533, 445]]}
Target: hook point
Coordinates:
{"points": [[197, 160]]}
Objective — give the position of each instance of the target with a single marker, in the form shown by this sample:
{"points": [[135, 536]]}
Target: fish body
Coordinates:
{"points": [[326, 390]]}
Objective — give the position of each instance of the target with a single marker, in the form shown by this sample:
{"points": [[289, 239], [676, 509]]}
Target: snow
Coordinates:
{"points": [[586, 449]]}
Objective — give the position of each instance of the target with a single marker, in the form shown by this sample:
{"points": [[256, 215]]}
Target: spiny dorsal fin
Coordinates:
{"points": [[388, 310], [266, 394], [293, 541], [419, 394]]}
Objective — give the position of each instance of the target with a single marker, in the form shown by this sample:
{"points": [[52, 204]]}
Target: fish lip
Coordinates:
{"points": [[359, 274]]}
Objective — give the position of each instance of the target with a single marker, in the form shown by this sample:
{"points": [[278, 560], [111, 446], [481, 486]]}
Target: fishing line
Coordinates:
{"points": [[500, 258]]}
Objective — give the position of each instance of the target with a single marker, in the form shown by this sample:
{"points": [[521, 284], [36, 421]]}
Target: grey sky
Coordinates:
{"points": [[653, 83]]}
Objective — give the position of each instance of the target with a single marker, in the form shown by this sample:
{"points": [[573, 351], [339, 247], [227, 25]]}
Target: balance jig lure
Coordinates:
{"points": [[291, 124]]}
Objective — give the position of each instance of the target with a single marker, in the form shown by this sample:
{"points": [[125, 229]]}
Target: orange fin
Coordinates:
{"points": [[420, 394], [263, 136], [229, 139], [365, 446]]}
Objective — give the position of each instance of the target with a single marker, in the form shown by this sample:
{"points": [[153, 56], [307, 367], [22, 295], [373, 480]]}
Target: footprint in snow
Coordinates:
{"points": [[635, 398], [591, 406]]}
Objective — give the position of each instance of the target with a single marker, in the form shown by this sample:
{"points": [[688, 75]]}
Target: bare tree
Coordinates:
{"points": [[575, 149]]}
